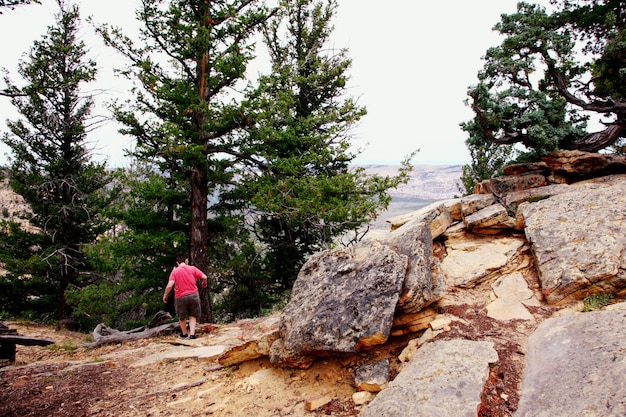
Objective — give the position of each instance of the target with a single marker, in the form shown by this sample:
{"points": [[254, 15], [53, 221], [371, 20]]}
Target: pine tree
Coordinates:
{"points": [[552, 71], [12, 3], [302, 188], [51, 167], [131, 259], [185, 115]]}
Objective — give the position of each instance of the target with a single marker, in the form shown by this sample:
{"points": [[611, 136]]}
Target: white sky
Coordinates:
{"points": [[413, 61]]}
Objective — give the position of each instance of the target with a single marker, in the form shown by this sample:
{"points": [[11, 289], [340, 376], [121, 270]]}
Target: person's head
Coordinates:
{"points": [[180, 258]]}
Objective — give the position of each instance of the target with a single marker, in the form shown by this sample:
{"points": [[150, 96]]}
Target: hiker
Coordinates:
{"points": [[186, 297]]}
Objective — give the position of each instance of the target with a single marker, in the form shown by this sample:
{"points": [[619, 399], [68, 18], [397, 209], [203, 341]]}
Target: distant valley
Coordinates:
{"points": [[428, 184]]}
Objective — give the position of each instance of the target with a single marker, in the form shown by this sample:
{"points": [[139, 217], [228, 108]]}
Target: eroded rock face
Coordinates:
{"points": [[423, 283], [574, 165], [500, 186], [579, 241], [344, 299], [474, 259]]}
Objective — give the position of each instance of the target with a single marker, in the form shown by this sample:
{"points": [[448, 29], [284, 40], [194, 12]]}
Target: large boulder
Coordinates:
{"points": [[576, 367], [444, 378], [423, 283], [343, 300], [579, 241]]}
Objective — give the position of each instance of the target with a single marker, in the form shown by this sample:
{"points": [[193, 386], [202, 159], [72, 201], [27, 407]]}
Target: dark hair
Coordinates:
{"points": [[180, 258]]}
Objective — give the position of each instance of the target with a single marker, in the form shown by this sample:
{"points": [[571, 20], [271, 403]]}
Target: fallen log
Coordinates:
{"points": [[26, 340], [9, 339], [104, 334]]}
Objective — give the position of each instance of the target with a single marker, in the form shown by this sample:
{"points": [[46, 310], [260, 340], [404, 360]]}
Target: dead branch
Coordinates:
{"points": [[104, 334]]}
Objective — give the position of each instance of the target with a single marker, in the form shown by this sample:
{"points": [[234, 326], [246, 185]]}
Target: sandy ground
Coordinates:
{"points": [[124, 380], [66, 379]]}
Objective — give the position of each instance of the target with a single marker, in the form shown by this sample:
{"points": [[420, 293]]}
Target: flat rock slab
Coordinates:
{"points": [[444, 378], [182, 352], [473, 259], [511, 292], [512, 287], [576, 366], [505, 310]]}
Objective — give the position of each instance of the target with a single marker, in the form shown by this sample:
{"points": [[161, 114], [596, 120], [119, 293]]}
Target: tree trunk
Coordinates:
{"points": [[199, 237], [199, 187]]}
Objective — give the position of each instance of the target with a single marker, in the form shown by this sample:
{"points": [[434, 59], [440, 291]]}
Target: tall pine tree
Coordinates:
{"points": [[303, 189], [186, 113], [51, 165]]}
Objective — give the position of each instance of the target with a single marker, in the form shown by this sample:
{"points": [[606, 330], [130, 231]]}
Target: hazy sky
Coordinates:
{"points": [[412, 64]]}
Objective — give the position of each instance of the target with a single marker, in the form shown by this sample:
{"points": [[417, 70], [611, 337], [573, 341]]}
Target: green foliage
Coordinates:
{"points": [[596, 302], [50, 166], [244, 287], [302, 193], [487, 158], [249, 179], [278, 157], [25, 290], [538, 89], [185, 117], [123, 303], [610, 70], [133, 261], [12, 3]]}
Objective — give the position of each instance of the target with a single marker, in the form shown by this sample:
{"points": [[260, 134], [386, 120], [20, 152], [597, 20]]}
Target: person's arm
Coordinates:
{"points": [[200, 275], [169, 287]]}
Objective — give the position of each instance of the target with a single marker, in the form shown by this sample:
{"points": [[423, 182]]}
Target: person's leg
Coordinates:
{"points": [[194, 311], [181, 312], [183, 326]]}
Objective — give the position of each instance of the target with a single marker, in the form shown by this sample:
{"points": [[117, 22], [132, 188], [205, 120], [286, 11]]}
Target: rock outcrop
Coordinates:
{"points": [[579, 240], [346, 299], [551, 234], [456, 371]]}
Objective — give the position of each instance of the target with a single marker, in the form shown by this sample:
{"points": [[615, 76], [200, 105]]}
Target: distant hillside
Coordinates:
{"points": [[428, 183]]}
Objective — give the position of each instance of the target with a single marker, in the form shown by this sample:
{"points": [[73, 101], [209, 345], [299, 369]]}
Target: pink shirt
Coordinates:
{"points": [[184, 277]]}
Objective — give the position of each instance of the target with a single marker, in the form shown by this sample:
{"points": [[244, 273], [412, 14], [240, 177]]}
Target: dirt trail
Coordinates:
{"points": [[66, 379]]}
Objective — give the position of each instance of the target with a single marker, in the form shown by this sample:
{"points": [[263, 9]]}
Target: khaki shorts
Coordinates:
{"points": [[188, 305]]}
